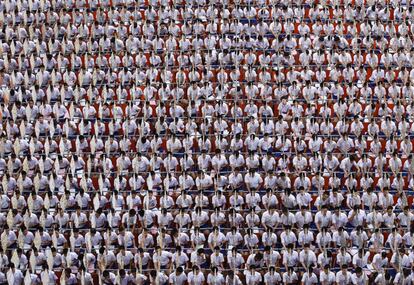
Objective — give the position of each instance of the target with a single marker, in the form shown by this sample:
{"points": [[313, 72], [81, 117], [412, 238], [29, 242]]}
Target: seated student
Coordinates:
{"points": [[290, 276]]}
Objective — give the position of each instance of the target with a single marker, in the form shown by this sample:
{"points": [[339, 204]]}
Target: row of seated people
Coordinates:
{"points": [[338, 157], [118, 250], [95, 192], [212, 83], [343, 116], [285, 105], [166, 83], [208, 237], [252, 209], [221, 171], [236, 135], [199, 275], [183, 10], [105, 25], [217, 64], [203, 97], [120, 192]]}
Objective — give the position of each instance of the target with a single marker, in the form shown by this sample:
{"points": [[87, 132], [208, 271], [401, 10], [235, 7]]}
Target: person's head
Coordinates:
{"points": [[303, 209], [195, 268], [200, 251], [122, 273], [358, 271], [179, 270], [54, 251], [158, 248], [406, 209], [326, 268], [153, 273], [216, 250], [344, 268]]}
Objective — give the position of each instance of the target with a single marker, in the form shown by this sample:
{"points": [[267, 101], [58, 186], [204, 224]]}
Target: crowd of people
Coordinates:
{"points": [[206, 142]]}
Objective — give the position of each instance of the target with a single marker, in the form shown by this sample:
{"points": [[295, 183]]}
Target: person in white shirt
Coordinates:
{"points": [[270, 218], [288, 199], [331, 163], [389, 217], [162, 258], [409, 237], [157, 278], [303, 198], [217, 258], [369, 199], [356, 216], [401, 259], [341, 238], [405, 218], [234, 259], [178, 277], [14, 275], [360, 259], [307, 257], [215, 277], [359, 237], [326, 276], [323, 218], [236, 160], [303, 217], [405, 277], [347, 164], [299, 162], [253, 180], [359, 277], [195, 277], [309, 277], [379, 261], [344, 277], [272, 277], [216, 238], [339, 219], [290, 257], [382, 278], [290, 276], [233, 278]]}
